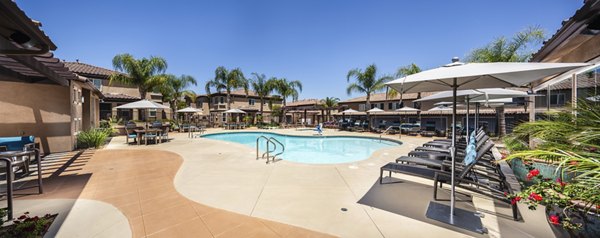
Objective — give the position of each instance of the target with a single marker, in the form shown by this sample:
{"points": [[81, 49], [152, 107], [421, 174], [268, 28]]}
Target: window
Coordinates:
{"points": [[97, 83], [381, 106], [361, 107], [373, 105], [152, 112], [557, 99], [251, 101], [224, 117], [391, 106], [221, 100]]}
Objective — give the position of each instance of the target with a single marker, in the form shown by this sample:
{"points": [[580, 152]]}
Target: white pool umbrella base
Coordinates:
{"points": [[464, 219]]}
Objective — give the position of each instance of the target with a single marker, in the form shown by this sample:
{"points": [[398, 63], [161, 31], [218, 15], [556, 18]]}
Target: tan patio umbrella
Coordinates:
{"points": [[142, 104], [458, 75]]}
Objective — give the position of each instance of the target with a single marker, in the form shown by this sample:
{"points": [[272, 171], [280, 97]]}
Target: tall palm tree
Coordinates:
{"points": [[263, 87], [227, 80], [190, 97], [508, 50], [287, 89], [366, 82], [329, 103], [145, 73], [403, 71], [174, 89]]}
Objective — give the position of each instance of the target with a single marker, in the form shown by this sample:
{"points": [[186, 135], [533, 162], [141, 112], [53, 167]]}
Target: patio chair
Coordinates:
{"points": [[165, 134], [185, 127], [150, 135], [130, 133], [466, 177], [156, 124]]}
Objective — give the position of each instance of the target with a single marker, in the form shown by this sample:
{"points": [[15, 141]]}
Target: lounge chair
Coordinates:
{"points": [[466, 177]]}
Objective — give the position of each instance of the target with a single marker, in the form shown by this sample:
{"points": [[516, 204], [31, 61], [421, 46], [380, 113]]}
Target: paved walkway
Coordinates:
{"points": [[197, 187], [226, 175]]}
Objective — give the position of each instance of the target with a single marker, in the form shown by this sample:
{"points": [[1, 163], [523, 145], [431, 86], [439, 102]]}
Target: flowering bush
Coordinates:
{"points": [[557, 193], [26, 225]]}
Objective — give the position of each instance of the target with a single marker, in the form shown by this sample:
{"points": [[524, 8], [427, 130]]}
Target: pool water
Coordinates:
{"points": [[312, 150]]}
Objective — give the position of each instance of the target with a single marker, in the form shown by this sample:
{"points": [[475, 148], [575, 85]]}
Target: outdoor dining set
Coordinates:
{"points": [[156, 131], [16, 155]]}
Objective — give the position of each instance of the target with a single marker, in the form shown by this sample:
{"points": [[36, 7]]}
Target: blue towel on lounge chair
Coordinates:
{"points": [[471, 151], [319, 129]]}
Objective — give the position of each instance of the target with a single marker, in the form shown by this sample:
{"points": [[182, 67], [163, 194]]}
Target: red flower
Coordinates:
{"points": [[535, 197], [559, 181], [554, 219], [573, 163], [532, 173], [515, 200]]}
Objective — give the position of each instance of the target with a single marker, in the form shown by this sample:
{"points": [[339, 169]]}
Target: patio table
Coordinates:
{"points": [[144, 131], [8, 157]]}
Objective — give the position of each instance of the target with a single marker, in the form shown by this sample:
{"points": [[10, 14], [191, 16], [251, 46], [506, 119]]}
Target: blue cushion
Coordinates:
{"points": [[16, 142], [132, 135], [471, 153]]}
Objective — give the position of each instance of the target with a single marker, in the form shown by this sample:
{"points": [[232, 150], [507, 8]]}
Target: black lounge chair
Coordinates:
{"points": [[466, 177]]}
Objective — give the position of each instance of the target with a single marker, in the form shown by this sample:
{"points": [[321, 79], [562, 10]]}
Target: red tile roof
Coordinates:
{"points": [[90, 70]]}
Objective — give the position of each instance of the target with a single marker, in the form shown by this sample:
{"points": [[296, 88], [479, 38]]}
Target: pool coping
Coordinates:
{"points": [[313, 136]]}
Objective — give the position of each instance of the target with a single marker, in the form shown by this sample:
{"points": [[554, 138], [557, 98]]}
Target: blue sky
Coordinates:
{"points": [[313, 41]]}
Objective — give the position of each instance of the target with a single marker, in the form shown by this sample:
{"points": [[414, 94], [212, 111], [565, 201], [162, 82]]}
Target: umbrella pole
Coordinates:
{"points": [[476, 116], [453, 149], [467, 139], [450, 215]]}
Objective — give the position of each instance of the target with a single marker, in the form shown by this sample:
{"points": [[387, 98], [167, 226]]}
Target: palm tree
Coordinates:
{"points": [[227, 80], [190, 97], [402, 72], [174, 89], [287, 89], [263, 88], [145, 73], [508, 50], [328, 103], [366, 82]]}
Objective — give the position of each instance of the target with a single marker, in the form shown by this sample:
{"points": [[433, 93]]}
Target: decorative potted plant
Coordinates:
{"points": [[571, 193]]}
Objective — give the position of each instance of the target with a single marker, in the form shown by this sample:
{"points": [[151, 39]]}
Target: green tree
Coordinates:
{"points": [[287, 89], [227, 80], [145, 73], [508, 50], [174, 89], [263, 87], [402, 72], [329, 103], [366, 82]]}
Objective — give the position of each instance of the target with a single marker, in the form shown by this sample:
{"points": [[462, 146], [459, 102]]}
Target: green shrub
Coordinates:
{"points": [[93, 138]]}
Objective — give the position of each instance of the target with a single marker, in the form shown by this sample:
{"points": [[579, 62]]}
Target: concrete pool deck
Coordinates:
{"points": [[226, 175]]}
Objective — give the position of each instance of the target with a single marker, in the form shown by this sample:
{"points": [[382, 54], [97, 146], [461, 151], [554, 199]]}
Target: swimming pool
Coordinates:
{"points": [[312, 149]]}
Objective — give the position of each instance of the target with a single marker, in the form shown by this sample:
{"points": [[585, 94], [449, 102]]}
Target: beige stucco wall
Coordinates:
{"points": [[42, 110]]}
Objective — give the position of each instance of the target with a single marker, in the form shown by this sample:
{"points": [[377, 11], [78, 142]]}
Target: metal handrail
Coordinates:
{"points": [[282, 148], [268, 151], [386, 130]]}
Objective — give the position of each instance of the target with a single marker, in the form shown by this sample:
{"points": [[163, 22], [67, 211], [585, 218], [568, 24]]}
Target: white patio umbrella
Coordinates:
{"points": [[459, 75], [471, 95], [234, 110], [350, 111], [374, 110], [189, 110], [142, 104], [441, 109]]}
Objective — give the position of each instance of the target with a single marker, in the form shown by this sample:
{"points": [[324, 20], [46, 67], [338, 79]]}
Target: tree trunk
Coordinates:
{"points": [[262, 103], [142, 93], [283, 117], [228, 100], [501, 122], [368, 107]]}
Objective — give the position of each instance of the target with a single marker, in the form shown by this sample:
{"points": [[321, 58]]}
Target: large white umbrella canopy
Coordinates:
{"points": [[235, 110], [375, 110], [440, 109], [479, 75], [142, 104], [475, 94], [189, 110], [350, 111], [459, 75], [407, 109]]}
